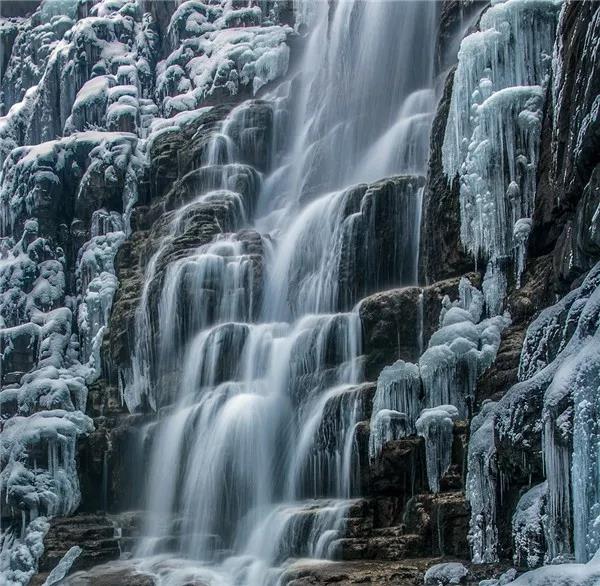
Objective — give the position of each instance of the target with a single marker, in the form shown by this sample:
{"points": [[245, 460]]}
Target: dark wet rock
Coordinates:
{"points": [[122, 574], [400, 469], [576, 136], [19, 352], [569, 150], [18, 8], [374, 257], [174, 154], [442, 254], [456, 19], [252, 133], [578, 247], [391, 326], [408, 572]]}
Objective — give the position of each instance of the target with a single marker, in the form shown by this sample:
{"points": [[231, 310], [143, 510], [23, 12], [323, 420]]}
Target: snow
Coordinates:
{"points": [[218, 53], [446, 573]]}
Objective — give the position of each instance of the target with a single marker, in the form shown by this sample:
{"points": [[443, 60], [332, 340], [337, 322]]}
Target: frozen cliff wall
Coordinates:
{"points": [[537, 421]]}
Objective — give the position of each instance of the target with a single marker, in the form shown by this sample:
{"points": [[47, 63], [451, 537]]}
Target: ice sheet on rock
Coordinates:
{"points": [[436, 425], [528, 527], [568, 574], [481, 486], [98, 283], [446, 573], [552, 405], [63, 567]]}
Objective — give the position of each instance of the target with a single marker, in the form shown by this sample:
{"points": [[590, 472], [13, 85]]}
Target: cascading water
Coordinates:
{"points": [[254, 359]]}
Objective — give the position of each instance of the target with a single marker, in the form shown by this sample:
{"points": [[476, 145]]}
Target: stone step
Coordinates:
{"points": [[95, 534], [381, 547]]}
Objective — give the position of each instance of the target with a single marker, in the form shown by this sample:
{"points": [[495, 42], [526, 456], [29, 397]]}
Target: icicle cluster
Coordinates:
{"points": [[436, 425], [427, 398], [555, 403], [494, 123]]}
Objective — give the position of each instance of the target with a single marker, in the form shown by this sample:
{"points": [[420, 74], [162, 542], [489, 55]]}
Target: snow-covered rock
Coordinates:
{"points": [[446, 573]]}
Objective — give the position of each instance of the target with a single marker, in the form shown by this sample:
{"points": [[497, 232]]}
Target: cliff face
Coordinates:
{"points": [[137, 142]]}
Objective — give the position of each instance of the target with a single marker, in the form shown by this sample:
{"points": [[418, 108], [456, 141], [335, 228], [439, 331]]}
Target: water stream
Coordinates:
{"points": [[254, 361]]}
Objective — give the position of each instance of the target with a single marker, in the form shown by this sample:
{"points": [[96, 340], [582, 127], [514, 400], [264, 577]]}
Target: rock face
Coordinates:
{"points": [[439, 334], [442, 254]]}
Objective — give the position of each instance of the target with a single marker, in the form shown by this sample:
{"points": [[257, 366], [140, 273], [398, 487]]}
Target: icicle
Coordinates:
{"points": [[396, 405], [436, 425], [481, 486]]}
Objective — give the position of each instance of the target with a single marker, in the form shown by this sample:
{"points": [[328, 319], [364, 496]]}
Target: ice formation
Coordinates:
{"points": [[494, 123], [427, 398], [567, 574], [436, 425], [51, 331], [554, 404], [19, 555], [481, 485], [528, 527], [396, 405], [73, 112], [63, 566]]}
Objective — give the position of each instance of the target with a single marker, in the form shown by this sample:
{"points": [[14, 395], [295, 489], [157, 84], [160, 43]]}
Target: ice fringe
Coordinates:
{"points": [[436, 425]]}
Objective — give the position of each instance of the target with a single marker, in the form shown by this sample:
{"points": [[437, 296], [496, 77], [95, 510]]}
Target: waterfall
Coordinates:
{"points": [[248, 343]]}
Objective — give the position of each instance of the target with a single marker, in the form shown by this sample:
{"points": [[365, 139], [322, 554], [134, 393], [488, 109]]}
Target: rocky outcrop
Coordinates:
{"points": [[95, 535], [567, 176], [398, 324]]}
